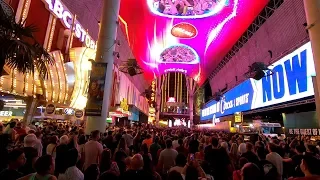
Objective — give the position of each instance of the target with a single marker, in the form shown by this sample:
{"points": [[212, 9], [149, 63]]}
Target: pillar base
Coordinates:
{"points": [[95, 123]]}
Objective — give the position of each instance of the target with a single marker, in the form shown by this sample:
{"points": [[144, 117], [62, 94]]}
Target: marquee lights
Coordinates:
{"points": [[25, 10], [62, 13]]}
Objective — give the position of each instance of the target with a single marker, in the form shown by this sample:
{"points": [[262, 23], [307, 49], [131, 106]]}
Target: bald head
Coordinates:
{"points": [[137, 162]]}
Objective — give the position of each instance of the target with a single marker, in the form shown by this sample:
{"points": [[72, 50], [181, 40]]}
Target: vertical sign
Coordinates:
{"points": [[96, 89], [152, 110]]}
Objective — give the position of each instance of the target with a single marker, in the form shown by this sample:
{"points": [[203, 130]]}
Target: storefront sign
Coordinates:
{"points": [[78, 113], [66, 17], [237, 118], [5, 113], [68, 111], [124, 105], [109, 120], [50, 109], [291, 79], [309, 132], [96, 89]]}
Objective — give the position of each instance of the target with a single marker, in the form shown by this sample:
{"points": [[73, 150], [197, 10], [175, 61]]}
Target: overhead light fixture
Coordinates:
{"points": [[117, 42], [117, 54]]}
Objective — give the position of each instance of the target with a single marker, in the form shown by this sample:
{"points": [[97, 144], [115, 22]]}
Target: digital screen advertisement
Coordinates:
{"points": [[189, 36], [291, 79]]}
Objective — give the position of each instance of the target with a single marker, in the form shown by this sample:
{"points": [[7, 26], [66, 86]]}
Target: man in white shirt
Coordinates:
{"points": [[175, 143], [275, 158], [167, 156], [92, 150], [128, 138]]}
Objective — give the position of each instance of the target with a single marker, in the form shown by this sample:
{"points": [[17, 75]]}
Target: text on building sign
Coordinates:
{"points": [[61, 12]]}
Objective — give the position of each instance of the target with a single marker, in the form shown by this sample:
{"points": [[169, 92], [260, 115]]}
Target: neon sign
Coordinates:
{"points": [[184, 30], [175, 70], [291, 80], [66, 17]]}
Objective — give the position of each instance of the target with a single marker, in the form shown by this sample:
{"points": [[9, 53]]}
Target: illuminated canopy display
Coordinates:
{"points": [[188, 35], [291, 80]]}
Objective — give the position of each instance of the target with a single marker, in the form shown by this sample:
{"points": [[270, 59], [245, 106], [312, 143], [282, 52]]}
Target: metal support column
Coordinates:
{"points": [[107, 36], [313, 26]]}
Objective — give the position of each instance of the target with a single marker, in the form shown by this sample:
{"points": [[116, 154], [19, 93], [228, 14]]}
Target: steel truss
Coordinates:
{"points": [[254, 27]]}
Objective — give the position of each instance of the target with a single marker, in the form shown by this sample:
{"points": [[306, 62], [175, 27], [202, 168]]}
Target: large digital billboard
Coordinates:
{"points": [[188, 36], [291, 79]]}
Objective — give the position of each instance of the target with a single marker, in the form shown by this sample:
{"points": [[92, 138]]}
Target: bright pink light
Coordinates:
{"points": [[191, 43]]}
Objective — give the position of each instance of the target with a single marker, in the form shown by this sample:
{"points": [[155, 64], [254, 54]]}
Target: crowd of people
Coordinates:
{"points": [[185, 7], [65, 152]]}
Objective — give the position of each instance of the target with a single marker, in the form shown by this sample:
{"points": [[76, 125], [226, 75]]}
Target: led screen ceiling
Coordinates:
{"points": [[188, 36]]}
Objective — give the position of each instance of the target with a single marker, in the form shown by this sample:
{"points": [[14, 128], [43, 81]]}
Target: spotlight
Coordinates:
{"points": [[217, 96]]}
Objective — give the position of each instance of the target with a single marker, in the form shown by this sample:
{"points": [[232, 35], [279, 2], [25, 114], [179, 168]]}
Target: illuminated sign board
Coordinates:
{"points": [[291, 80], [185, 35], [152, 109], [175, 70], [50, 109], [68, 111], [5, 113], [109, 120], [66, 17], [153, 92], [78, 113], [184, 30]]}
